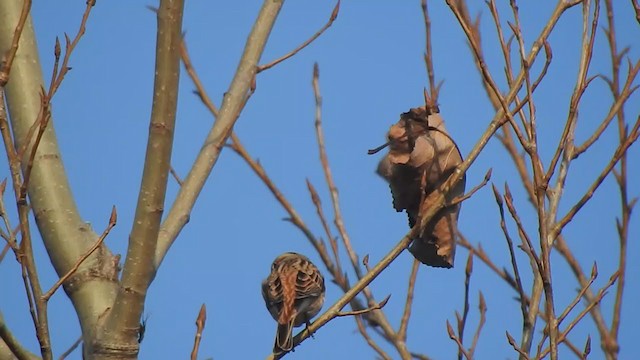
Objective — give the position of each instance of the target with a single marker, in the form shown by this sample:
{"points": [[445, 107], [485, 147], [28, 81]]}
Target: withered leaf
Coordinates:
{"points": [[421, 157]]}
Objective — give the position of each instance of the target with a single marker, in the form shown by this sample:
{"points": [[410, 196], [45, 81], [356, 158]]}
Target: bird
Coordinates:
{"points": [[293, 293]]}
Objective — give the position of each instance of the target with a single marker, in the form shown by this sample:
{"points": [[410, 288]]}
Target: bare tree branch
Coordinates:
{"points": [[377, 306], [200, 323], [71, 349], [122, 323], [406, 314], [458, 342]]}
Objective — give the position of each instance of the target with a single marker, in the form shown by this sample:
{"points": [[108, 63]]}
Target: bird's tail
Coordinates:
{"points": [[284, 338]]}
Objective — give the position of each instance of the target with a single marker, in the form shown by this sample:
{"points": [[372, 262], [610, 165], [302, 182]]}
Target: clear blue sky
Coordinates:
{"points": [[371, 70]]}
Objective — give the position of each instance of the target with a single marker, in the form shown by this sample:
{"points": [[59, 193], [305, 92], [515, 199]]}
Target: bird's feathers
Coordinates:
{"points": [[293, 293]]}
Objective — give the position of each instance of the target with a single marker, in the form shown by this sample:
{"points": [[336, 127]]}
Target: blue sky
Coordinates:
{"points": [[371, 70]]}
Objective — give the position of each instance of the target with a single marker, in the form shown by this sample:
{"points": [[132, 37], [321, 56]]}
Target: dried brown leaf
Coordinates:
{"points": [[421, 157]]}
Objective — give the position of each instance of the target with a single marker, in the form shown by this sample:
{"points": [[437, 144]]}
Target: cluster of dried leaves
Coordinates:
{"points": [[421, 158]]}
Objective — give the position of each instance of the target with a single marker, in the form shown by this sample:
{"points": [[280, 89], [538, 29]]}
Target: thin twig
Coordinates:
{"points": [[315, 198], [526, 239], [175, 175], [505, 46], [365, 262], [10, 236], [363, 331], [576, 300], [332, 18], [596, 313], [482, 309], [200, 323], [563, 335], [515, 346], [4, 251], [378, 306], [200, 90], [406, 314], [428, 54], [333, 190], [453, 337], [462, 320], [530, 125], [69, 47], [626, 92], [610, 344], [472, 32], [71, 348], [620, 151], [548, 56], [10, 55], [514, 262], [566, 144], [113, 218], [475, 189], [41, 124], [537, 270], [587, 347], [30, 279]]}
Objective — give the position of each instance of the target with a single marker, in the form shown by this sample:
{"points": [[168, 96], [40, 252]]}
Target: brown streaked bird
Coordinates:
{"points": [[293, 293]]}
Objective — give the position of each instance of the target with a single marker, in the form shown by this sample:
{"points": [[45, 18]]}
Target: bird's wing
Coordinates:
{"points": [[309, 281]]}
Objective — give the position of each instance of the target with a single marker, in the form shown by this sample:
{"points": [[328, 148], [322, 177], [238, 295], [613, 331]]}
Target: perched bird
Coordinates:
{"points": [[293, 293], [422, 155]]}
